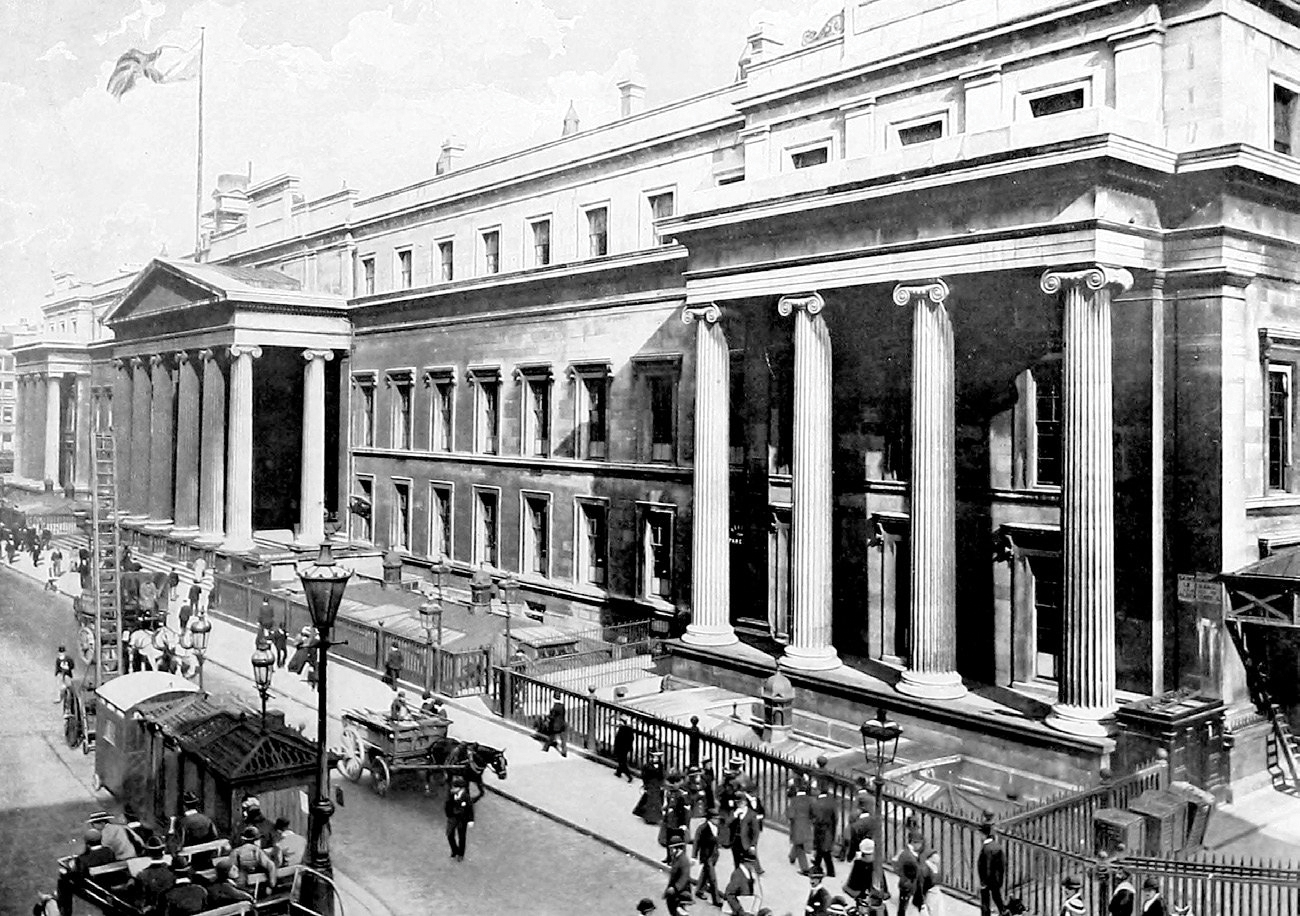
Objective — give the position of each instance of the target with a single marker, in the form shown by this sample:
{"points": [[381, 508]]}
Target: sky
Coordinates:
{"points": [[339, 92]]}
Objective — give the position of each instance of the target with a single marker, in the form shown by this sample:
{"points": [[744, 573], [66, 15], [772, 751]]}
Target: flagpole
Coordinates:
{"points": [[198, 178]]}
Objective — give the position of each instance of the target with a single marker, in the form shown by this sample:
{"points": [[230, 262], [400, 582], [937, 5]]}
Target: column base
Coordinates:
{"points": [[710, 636], [309, 541], [1083, 721], [158, 525], [210, 539], [943, 685], [238, 545], [188, 533], [803, 658]]}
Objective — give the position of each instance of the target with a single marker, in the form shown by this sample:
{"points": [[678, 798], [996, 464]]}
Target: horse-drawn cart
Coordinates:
{"points": [[384, 746]]}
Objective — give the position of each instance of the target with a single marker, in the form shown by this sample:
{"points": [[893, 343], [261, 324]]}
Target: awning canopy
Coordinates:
{"points": [[1267, 591], [130, 690]]}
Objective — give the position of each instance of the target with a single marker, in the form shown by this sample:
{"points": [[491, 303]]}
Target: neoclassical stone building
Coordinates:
{"points": [[924, 359]]}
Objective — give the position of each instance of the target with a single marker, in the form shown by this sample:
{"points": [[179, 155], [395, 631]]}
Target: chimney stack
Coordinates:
{"points": [[758, 46], [452, 150], [632, 95]]}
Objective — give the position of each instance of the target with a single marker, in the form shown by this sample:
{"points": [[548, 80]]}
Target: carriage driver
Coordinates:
{"points": [[399, 709]]}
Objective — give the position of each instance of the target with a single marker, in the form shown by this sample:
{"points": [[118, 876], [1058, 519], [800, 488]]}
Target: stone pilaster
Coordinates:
{"points": [[21, 424], [122, 404], [187, 446], [212, 461], [711, 513], [162, 438], [1086, 703], [141, 452], [933, 497], [311, 502], [53, 423], [239, 458], [810, 647], [83, 437]]}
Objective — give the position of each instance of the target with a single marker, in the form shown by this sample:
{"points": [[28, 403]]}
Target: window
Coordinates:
{"points": [[662, 205], [1047, 425], [402, 384], [487, 413], [442, 384], [485, 526], [656, 553], [404, 268], [446, 251], [535, 437], [541, 242], [598, 231], [1284, 119], [368, 276], [363, 407], [8, 414], [536, 536], [662, 396], [593, 543], [1279, 426], [362, 508], [920, 133], [491, 251], [1041, 106], [439, 520], [591, 400], [657, 377], [806, 159], [400, 535], [1048, 620]]}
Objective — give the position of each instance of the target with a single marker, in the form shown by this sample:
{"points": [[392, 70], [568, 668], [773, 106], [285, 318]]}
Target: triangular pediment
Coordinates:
{"points": [[166, 286]]}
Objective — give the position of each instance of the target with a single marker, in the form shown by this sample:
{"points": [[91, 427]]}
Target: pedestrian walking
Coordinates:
{"points": [[862, 877], [392, 666], [696, 798], [184, 615], [51, 580], [991, 867], [819, 898], [1124, 897], [863, 826], [799, 813], [650, 806], [706, 853], [623, 738], [64, 667], [302, 646], [1152, 903], [929, 897], [460, 817], [744, 834], [1073, 904], [677, 894], [280, 639], [907, 865], [825, 820], [196, 592], [173, 583], [265, 619], [744, 891], [677, 815], [556, 727], [56, 562]]}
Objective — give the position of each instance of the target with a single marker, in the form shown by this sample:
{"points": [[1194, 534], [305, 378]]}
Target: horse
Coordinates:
{"points": [[466, 758]]}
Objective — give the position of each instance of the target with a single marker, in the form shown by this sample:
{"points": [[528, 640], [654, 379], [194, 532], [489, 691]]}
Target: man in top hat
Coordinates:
{"points": [[392, 666], [623, 738], [819, 898], [678, 892], [645, 906], [744, 833], [185, 898], [155, 879], [862, 827], [556, 731], [907, 865], [743, 888], [460, 817], [992, 869], [1124, 897], [825, 821], [822, 777], [249, 858], [194, 826], [706, 853], [1152, 903], [253, 817], [290, 847], [799, 813], [677, 814], [1072, 905]]}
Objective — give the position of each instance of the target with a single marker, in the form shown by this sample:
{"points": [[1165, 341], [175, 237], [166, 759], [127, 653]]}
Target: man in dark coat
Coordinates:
{"points": [[222, 892], [183, 616], [863, 827], [155, 879], [1124, 897], [392, 666], [64, 666], [907, 865], [265, 619], [819, 898], [95, 853], [744, 834], [799, 814], [195, 826], [743, 883], [557, 727], [706, 853], [1152, 903], [678, 892], [862, 872], [460, 817], [185, 898], [280, 639], [992, 870], [624, 735], [254, 818], [677, 815], [825, 820]]}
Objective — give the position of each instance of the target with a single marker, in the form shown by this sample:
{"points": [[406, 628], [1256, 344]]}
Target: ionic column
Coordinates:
{"points": [[212, 461], [1086, 700], [933, 492], [141, 453], [21, 424], [187, 446], [53, 418], [122, 397], [83, 437], [239, 459], [311, 502], [162, 437], [711, 513], [810, 647]]}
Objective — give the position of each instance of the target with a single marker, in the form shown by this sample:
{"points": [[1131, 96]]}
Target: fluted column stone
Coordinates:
{"points": [[311, 502], [710, 529], [933, 497], [810, 647], [239, 460], [53, 423], [21, 423], [212, 460], [187, 446], [122, 404], [162, 438], [1086, 701], [141, 452], [83, 438]]}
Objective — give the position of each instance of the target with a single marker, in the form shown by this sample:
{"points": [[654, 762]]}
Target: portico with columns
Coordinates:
{"points": [[53, 408]]}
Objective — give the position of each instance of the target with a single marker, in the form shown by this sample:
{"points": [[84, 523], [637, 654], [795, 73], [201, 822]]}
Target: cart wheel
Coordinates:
{"points": [[351, 763], [72, 725], [95, 782], [380, 776], [87, 745]]}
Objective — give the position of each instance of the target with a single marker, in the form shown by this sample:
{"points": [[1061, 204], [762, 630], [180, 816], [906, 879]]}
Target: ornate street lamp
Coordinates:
{"points": [[263, 666], [509, 587], [323, 583], [884, 733], [440, 571], [431, 619], [200, 630]]}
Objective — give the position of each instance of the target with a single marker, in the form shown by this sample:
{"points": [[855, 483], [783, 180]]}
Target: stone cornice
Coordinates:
{"points": [[674, 473]]}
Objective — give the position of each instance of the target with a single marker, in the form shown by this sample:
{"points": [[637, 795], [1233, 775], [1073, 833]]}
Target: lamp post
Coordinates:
{"points": [[263, 661], [440, 571], [200, 630], [431, 619], [509, 593], [323, 583], [885, 734]]}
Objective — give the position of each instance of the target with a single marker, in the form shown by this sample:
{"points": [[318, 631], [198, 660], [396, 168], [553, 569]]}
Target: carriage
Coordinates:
{"points": [[384, 746]]}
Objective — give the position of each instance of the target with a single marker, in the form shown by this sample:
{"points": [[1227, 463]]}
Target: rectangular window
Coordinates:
{"points": [[362, 508], [368, 276], [656, 380], [920, 133], [1048, 619], [735, 417], [537, 416], [1279, 426], [662, 206], [806, 159], [657, 554], [1056, 102], [364, 412], [485, 526], [404, 260], [541, 243], [662, 411], [1047, 425], [487, 414], [8, 415], [400, 536], [441, 417], [591, 400], [1284, 119], [403, 390], [491, 252], [536, 558], [598, 232], [446, 252], [439, 521], [593, 543]]}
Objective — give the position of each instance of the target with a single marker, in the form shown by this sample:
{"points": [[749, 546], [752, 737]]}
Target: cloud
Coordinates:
{"points": [[137, 22], [58, 51]]}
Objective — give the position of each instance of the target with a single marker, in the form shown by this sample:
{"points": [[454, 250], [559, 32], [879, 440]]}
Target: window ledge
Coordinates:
{"points": [[1042, 495], [1273, 501]]}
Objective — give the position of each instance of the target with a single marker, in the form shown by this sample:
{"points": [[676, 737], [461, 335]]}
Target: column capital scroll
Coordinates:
{"points": [[1092, 278], [139, 362], [812, 303], [323, 355], [182, 357], [709, 312], [934, 292], [238, 350], [122, 362], [207, 353], [156, 360]]}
